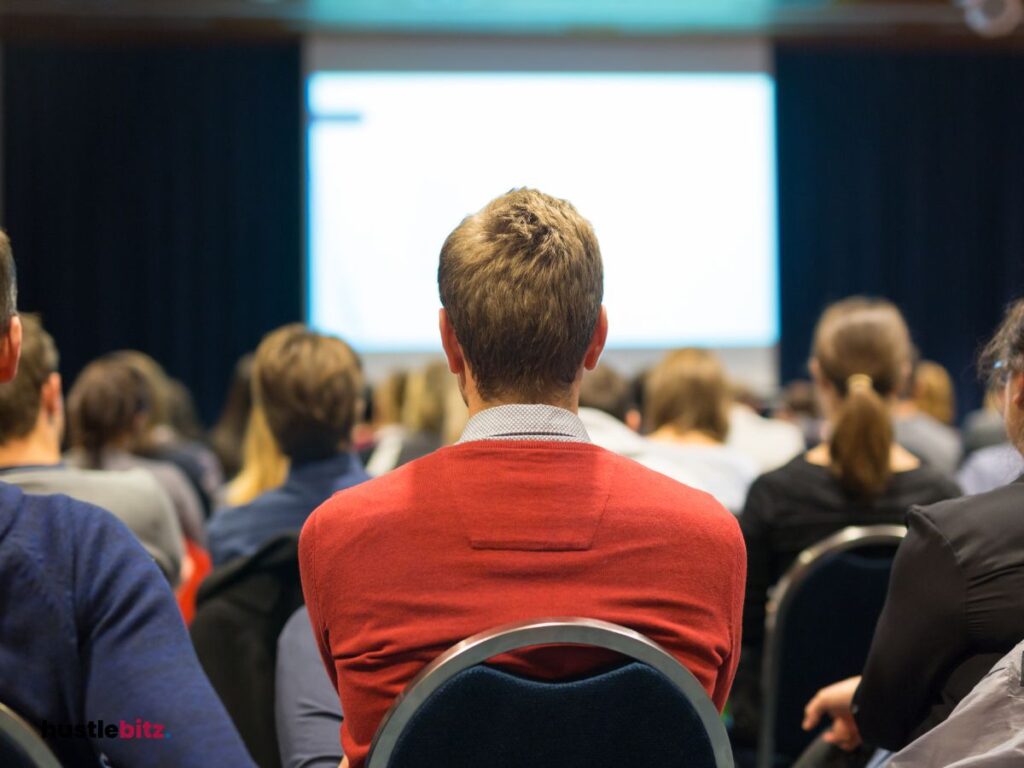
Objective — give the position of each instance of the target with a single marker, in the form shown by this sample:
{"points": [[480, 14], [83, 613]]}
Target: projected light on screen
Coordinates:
{"points": [[675, 171]]}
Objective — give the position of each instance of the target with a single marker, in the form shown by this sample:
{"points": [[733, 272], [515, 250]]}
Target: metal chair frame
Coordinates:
{"points": [[17, 730], [549, 631], [780, 599]]}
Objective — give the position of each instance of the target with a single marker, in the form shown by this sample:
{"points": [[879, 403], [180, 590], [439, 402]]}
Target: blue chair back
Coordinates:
{"points": [[820, 622], [460, 713], [20, 745]]}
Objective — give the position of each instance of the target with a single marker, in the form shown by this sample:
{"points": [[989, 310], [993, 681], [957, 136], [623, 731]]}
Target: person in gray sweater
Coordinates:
{"points": [[31, 430]]}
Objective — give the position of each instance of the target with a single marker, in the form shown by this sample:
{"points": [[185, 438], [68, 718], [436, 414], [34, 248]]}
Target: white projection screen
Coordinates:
{"points": [[667, 148]]}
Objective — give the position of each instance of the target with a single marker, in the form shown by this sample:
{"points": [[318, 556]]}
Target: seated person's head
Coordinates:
{"points": [[605, 389], [686, 393], [521, 283], [860, 362], [108, 408], [308, 386], [1003, 363], [31, 403], [425, 399], [933, 391]]}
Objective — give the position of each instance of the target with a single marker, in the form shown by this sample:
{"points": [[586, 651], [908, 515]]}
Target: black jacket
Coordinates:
{"points": [[955, 607], [240, 611]]}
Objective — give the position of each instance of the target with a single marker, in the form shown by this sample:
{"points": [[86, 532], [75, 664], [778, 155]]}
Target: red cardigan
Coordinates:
{"points": [[398, 569]]}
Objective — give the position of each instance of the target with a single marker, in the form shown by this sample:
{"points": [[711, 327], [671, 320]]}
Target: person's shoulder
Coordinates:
{"points": [[137, 487], [57, 526], [375, 497], [976, 512], [933, 484], [798, 472]]}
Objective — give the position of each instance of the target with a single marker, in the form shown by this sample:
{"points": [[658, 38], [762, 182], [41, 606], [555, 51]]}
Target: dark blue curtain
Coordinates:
{"points": [[153, 195], [901, 174]]}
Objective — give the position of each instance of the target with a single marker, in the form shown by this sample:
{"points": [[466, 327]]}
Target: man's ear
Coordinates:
{"points": [[10, 349], [597, 341], [452, 348]]}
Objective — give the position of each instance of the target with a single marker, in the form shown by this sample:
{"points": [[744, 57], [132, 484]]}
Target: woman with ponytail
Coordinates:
{"points": [[860, 360], [955, 607]]}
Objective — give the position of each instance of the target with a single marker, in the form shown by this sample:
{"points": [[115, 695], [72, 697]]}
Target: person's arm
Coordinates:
{"points": [[306, 706], [920, 634], [738, 573], [137, 663], [311, 591], [163, 534], [754, 522], [745, 697]]}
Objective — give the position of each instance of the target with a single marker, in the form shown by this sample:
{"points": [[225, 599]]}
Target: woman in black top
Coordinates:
{"points": [[859, 476], [956, 596]]}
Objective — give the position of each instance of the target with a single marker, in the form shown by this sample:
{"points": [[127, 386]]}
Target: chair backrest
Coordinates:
{"points": [[20, 745], [819, 623], [459, 712]]}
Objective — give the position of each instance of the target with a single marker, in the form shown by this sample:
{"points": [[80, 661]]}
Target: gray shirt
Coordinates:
{"points": [[986, 730], [133, 496], [187, 504], [935, 443]]}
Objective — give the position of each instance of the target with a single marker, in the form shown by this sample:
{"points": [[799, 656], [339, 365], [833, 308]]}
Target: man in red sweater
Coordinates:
{"points": [[524, 517]]}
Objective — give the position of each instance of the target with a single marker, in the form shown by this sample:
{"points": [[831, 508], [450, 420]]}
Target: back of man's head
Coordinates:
{"points": [[20, 398], [308, 385], [607, 390], [522, 282]]}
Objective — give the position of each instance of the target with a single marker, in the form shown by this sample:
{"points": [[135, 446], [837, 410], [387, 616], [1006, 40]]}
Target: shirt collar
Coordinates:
{"points": [[526, 422]]}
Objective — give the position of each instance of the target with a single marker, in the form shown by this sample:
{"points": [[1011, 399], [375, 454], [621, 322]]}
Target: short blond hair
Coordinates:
{"points": [[522, 282], [688, 391], [308, 386]]}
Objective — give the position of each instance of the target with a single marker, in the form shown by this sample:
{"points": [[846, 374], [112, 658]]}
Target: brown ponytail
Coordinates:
{"points": [[862, 347], [862, 440]]}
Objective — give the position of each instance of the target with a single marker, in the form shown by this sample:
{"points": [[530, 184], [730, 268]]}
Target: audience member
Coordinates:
{"points": [[859, 476], [31, 430], [769, 443], [264, 467], [307, 386], [524, 517], [159, 438], [228, 434], [306, 707], [107, 410], [956, 596], [388, 405], [687, 403], [933, 441], [984, 427], [799, 406], [423, 411], [933, 392], [989, 468], [606, 399], [94, 634], [986, 730]]}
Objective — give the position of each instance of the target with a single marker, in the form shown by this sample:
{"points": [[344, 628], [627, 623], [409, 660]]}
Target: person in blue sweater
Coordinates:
{"points": [[93, 651], [308, 385]]}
